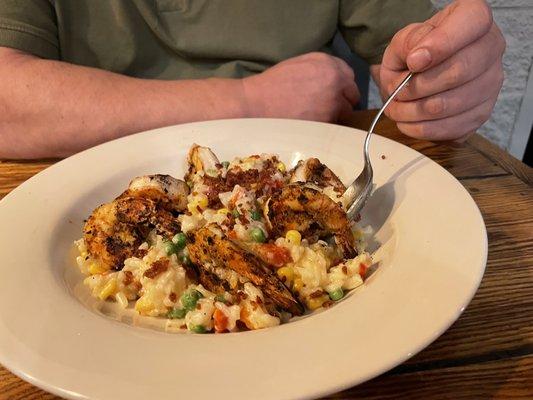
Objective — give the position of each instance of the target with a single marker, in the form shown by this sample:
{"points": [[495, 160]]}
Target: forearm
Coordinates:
{"points": [[50, 108]]}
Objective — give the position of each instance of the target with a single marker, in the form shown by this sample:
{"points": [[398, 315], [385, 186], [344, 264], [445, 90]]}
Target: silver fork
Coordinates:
{"points": [[359, 191]]}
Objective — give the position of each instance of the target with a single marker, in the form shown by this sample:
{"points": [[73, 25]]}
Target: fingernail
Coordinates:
{"points": [[418, 60]]}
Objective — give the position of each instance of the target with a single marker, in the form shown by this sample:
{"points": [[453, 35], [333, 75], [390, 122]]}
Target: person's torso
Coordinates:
{"points": [[180, 39]]}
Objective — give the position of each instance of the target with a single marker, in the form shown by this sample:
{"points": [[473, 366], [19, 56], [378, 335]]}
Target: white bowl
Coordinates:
{"points": [[431, 250]]}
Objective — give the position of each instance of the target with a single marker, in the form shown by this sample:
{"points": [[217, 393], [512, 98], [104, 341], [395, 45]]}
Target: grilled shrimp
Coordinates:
{"points": [[108, 240], [206, 174], [209, 246], [310, 212], [313, 171], [168, 192], [202, 159], [115, 230]]}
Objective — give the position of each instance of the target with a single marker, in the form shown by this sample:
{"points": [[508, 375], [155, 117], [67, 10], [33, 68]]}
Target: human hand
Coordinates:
{"points": [[457, 55], [314, 86]]}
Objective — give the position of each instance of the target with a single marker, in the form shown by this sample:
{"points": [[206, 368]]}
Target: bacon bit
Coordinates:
{"points": [[172, 297], [128, 278], [221, 321], [183, 326], [198, 306], [137, 286], [362, 269], [345, 270], [254, 304], [241, 325], [316, 293], [140, 253], [241, 295], [258, 300], [157, 267], [328, 304]]}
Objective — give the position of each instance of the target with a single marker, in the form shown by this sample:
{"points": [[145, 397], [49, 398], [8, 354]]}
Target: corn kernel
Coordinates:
{"points": [[96, 268], [108, 289], [281, 167], [202, 201], [193, 207], [286, 272], [143, 305], [223, 211], [293, 237], [297, 285], [317, 302]]}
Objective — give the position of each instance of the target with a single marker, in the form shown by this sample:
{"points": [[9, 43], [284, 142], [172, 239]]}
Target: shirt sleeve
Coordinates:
{"points": [[29, 26], [369, 25]]}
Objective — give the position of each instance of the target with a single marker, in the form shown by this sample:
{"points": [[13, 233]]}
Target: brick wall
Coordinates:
{"points": [[515, 18]]}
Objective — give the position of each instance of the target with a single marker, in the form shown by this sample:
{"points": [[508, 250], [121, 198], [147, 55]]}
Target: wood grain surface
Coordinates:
{"points": [[488, 352]]}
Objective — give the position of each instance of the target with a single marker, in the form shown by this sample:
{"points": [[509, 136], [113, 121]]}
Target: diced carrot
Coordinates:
{"points": [[221, 321], [362, 270]]}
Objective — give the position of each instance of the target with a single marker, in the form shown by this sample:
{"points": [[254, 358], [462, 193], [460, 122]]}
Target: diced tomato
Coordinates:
{"points": [[221, 321], [274, 255], [362, 270]]}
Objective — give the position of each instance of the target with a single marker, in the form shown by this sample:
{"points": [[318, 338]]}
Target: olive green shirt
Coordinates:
{"points": [[180, 39]]}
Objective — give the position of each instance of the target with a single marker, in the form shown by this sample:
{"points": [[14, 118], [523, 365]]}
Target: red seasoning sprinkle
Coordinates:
{"points": [[328, 304], [345, 270], [316, 293], [157, 267], [128, 278]]}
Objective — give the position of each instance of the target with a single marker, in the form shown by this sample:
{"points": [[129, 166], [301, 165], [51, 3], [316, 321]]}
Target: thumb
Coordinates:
{"points": [[401, 45]]}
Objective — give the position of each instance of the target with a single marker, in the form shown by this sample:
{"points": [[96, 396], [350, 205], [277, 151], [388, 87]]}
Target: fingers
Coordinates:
{"points": [[459, 69], [351, 93], [419, 47], [346, 70], [345, 110], [451, 102], [458, 25], [451, 128], [350, 90]]}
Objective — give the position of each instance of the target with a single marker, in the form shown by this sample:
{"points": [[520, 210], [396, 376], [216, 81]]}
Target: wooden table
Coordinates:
{"points": [[488, 352]]}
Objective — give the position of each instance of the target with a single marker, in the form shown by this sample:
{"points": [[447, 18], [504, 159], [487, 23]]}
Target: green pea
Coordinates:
{"points": [[179, 240], [190, 298], [256, 215], [225, 164], [235, 213], [198, 329], [176, 313], [258, 235], [336, 294], [170, 248]]}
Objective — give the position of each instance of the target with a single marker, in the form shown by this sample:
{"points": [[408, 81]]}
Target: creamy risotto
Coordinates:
{"points": [[236, 245]]}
